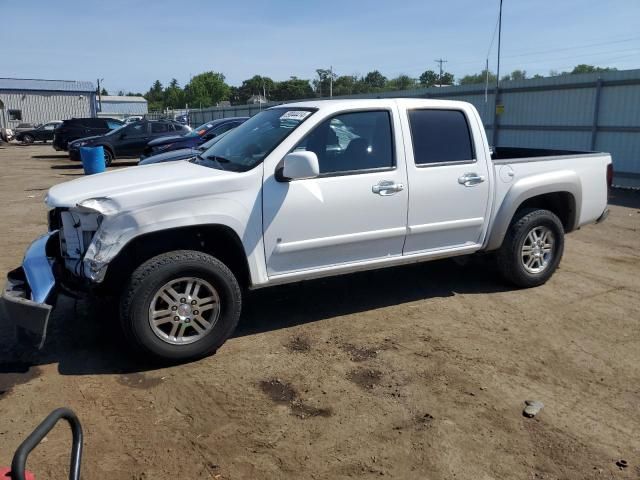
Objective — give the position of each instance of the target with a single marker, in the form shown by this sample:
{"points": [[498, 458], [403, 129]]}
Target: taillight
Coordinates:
{"points": [[610, 175]]}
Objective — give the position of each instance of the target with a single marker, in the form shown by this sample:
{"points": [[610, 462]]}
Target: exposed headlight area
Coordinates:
{"points": [[77, 230], [79, 144]]}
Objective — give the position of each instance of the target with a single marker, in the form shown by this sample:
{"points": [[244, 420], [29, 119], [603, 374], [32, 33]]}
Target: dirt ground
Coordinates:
{"points": [[419, 372]]}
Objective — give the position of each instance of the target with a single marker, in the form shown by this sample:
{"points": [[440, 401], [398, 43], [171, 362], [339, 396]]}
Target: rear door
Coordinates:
{"points": [[449, 180], [355, 211]]}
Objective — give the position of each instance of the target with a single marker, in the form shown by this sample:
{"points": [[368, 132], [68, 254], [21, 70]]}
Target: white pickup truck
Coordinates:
{"points": [[301, 191]]}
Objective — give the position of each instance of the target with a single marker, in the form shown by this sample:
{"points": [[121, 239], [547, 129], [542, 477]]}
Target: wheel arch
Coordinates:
{"points": [[560, 194], [218, 240]]}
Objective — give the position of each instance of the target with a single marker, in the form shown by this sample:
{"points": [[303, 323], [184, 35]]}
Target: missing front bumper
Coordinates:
{"points": [[26, 301]]}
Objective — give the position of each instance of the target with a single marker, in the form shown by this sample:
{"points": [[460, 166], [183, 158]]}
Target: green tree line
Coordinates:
{"points": [[210, 88]]}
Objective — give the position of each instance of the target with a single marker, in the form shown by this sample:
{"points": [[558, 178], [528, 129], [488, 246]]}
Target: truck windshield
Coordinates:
{"points": [[247, 145]]}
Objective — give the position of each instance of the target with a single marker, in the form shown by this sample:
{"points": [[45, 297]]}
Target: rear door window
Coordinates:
{"points": [[159, 127], [440, 136]]}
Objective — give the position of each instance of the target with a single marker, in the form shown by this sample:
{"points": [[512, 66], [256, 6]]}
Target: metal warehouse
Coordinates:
{"points": [[41, 101], [114, 106]]}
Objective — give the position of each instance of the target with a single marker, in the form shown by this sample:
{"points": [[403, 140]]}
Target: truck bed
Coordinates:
{"points": [[507, 154]]}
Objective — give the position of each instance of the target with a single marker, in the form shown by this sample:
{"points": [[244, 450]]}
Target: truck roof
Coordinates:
{"points": [[372, 102]]}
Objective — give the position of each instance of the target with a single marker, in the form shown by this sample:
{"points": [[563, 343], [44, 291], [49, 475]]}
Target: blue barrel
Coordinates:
{"points": [[92, 159]]}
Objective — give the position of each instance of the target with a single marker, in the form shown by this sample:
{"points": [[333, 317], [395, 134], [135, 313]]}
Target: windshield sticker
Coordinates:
{"points": [[295, 115]]}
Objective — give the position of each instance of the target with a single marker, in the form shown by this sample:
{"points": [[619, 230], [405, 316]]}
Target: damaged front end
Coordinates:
{"points": [[29, 294], [65, 259]]}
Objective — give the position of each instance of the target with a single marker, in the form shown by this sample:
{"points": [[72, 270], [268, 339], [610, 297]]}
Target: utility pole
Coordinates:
{"points": [[495, 110], [330, 81], [100, 93], [440, 61]]}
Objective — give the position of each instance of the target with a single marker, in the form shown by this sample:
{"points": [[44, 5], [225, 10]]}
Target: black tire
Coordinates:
{"points": [[510, 255], [149, 278], [28, 138], [109, 157]]}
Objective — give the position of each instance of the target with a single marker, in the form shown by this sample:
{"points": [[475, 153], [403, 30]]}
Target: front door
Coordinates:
{"points": [[354, 211]]}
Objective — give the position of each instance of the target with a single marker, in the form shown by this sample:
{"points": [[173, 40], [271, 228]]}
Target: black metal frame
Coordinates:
{"points": [[19, 462]]}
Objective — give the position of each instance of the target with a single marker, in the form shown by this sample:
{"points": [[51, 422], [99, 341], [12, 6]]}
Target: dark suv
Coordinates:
{"points": [[128, 140], [75, 128]]}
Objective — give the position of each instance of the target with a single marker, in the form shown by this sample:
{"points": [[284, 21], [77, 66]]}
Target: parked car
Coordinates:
{"points": [[43, 133], [23, 127], [6, 134], [181, 154], [194, 138], [128, 140], [282, 198], [75, 128], [132, 119]]}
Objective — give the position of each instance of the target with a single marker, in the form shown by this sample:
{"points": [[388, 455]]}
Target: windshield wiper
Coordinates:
{"points": [[213, 158], [218, 159]]}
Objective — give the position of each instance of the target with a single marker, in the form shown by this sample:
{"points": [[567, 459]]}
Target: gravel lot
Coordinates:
{"points": [[414, 372]]}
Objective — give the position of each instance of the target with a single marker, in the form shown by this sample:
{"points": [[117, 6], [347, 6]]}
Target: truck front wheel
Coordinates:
{"points": [[180, 306], [532, 248]]}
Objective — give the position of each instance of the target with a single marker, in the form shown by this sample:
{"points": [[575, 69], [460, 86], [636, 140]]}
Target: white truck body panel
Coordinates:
{"points": [[321, 226]]}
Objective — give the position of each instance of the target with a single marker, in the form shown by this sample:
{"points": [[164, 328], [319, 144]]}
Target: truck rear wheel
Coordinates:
{"points": [[532, 248], [180, 306]]}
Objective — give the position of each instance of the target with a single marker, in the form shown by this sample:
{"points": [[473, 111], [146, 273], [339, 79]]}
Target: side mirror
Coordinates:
{"points": [[298, 165]]}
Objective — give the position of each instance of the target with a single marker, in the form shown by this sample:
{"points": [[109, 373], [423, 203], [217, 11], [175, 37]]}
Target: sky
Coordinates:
{"points": [[131, 43]]}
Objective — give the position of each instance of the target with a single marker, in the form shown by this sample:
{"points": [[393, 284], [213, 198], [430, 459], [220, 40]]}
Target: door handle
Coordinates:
{"points": [[387, 187], [470, 179]]}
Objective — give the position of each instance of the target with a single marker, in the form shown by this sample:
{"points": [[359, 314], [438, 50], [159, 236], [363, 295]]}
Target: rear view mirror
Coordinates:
{"points": [[298, 165]]}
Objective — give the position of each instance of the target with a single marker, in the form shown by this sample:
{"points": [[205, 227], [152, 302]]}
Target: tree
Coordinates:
{"points": [[447, 79], [154, 96], [428, 78], [515, 75], [346, 85], [583, 68], [173, 95], [322, 84], [206, 89], [478, 78], [104, 92], [374, 81], [293, 89], [401, 82], [256, 85]]}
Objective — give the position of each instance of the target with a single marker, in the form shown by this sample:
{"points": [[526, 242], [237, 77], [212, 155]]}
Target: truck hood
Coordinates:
{"points": [[135, 186]]}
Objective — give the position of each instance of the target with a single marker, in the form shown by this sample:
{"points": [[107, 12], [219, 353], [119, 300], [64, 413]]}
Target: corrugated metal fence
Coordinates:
{"points": [[599, 111]]}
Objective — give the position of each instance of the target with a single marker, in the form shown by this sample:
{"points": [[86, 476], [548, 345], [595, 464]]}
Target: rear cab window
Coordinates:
{"points": [[440, 137]]}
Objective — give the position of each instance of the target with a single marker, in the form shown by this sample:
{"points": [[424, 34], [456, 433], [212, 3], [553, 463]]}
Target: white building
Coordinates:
{"points": [[41, 101]]}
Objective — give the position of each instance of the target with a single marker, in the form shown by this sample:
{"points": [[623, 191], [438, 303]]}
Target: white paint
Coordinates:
{"points": [[328, 225]]}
